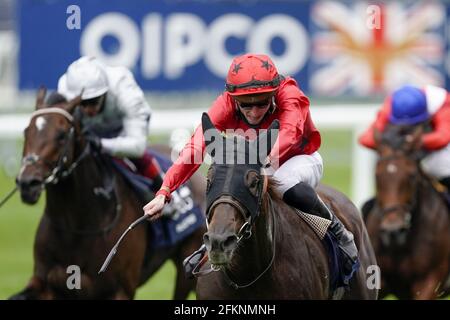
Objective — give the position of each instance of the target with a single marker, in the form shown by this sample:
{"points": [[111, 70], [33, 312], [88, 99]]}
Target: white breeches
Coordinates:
{"points": [[302, 168], [437, 164]]}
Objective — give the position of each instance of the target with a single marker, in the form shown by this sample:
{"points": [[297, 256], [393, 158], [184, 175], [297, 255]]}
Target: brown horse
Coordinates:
{"points": [[88, 206], [409, 222], [259, 247]]}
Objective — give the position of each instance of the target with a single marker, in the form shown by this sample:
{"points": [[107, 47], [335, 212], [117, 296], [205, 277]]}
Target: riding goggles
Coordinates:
{"points": [[260, 105]]}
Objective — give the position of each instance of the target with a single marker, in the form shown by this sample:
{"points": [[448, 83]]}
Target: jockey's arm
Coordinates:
{"points": [[132, 141], [367, 139], [294, 109], [192, 155], [440, 136]]}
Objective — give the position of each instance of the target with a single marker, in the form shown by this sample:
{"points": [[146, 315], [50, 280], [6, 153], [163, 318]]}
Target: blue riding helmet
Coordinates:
{"points": [[409, 106]]}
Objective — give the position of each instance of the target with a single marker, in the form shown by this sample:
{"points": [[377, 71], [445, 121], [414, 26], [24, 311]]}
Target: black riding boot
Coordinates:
{"points": [[446, 182], [304, 197]]}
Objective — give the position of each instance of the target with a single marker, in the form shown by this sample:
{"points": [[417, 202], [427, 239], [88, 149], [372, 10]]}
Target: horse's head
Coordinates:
{"points": [[49, 144], [235, 188], [397, 178]]}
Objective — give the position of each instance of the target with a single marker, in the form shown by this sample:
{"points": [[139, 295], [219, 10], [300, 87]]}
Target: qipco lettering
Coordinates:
{"points": [[166, 46]]}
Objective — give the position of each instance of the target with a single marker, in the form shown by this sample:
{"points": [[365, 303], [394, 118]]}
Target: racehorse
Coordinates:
{"points": [[88, 206], [408, 222], [259, 247]]}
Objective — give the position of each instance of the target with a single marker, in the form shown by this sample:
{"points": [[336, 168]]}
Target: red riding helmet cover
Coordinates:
{"points": [[252, 74]]}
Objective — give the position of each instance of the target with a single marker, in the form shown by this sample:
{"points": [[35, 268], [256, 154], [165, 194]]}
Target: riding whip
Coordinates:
{"points": [[114, 249], [9, 195]]}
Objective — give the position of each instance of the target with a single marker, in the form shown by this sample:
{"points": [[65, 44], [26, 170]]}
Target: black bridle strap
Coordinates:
{"points": [[395, 207], [239, 286], [245, 230]]}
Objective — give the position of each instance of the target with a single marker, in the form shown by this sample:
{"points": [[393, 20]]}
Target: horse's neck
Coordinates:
{"points": [[73, 197]]}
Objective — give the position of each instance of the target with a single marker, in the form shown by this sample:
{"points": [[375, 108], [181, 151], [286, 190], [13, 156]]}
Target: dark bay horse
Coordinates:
{"points": [[409, 222], [259, 247], [88, 206]]}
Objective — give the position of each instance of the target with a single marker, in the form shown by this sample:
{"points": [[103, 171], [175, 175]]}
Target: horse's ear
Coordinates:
{"points": [[210, 131], [267, 139], [207, 123], [40, 98], [72, 104]]}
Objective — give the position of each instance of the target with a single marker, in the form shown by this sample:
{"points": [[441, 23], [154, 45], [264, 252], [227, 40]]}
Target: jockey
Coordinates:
{"points": [[116, 115], [255, 96], [416, 106]]}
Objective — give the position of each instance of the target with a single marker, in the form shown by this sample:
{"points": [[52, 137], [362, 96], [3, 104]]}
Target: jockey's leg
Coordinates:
{"points": [[436, 165], [148, 167], [297, 179]]}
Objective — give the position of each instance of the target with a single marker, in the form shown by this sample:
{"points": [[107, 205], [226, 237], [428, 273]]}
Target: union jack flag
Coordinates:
{"points": [[368, 48]]}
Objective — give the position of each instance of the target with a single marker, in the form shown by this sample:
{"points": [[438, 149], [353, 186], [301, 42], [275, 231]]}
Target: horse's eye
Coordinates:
{"points": [[61, 137]]}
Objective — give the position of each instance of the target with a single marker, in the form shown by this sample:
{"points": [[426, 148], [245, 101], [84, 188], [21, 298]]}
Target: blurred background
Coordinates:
{"points": [[345, 55]]}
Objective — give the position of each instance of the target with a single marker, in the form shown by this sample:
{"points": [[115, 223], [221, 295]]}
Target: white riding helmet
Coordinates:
{"points": [[85, 73]]}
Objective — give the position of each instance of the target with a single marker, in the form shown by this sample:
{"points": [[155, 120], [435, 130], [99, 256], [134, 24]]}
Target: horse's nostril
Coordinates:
{"points": [[30, 183], [35, 183], [206, 240], [230, 242]]}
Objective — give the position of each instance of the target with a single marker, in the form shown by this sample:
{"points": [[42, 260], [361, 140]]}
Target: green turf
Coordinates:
{"points": [[18, 222]]}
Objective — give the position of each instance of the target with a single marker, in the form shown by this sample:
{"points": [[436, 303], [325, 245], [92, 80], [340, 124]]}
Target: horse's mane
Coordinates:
{"points": [[394, 136], [55, 98], [272, 192]]}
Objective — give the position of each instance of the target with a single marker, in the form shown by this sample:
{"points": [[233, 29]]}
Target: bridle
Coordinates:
{"points": [[406, 207], [244, 233], [61, 171]]}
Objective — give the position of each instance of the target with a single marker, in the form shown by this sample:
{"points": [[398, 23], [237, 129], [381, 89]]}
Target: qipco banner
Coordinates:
{"points": [[330, 47]]}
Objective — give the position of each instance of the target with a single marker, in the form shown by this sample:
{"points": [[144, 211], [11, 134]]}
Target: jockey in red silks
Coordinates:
{"points": [[116, 114], [413, 106], [255, 96]]}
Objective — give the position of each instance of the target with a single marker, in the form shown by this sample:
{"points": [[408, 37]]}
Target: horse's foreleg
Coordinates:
{"points": [[183, 286], [34, 290], [428, 288], [121, 295]]}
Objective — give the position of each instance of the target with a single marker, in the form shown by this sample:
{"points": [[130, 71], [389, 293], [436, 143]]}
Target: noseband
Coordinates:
{"points": [[245, 232]]}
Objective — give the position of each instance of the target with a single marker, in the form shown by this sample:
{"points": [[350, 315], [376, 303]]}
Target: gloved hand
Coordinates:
{"points": [[93, 140]]}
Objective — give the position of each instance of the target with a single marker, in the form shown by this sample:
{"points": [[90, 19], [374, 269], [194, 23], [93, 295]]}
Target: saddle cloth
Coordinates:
{"points": [[320, 226]]}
